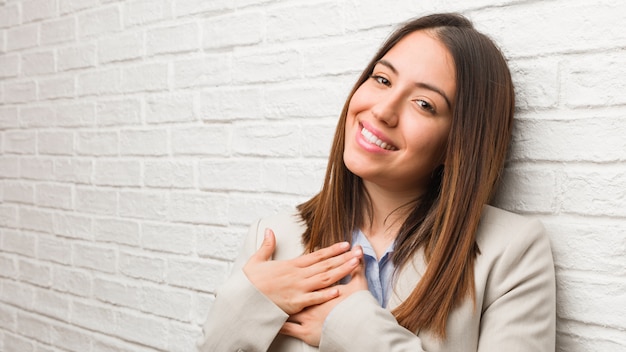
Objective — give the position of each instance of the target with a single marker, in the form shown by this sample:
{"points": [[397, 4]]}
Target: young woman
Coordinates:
{"points": [[400, 251]]}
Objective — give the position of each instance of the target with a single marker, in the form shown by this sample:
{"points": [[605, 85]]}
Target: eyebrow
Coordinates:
{"points": [[418, 84]]}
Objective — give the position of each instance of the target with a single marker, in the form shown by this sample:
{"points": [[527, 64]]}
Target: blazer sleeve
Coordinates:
{"points": [[519, 312], [241, 317], [359, 323]]}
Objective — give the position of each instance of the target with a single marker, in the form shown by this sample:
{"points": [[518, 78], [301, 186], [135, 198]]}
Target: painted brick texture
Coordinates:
{"points": [[139, 139]]}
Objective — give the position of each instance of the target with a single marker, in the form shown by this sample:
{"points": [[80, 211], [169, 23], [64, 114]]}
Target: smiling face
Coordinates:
{"points": [[398, 120]]}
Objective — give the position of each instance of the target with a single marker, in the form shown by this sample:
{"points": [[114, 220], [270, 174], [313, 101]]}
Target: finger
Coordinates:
{"points": [[318, 297], [332, 276], [334, 262], [322, 254], [264, 253], [292, 329]]}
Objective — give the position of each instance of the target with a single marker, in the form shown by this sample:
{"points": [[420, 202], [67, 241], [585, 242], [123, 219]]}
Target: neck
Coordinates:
{"points": [[389, 211]]}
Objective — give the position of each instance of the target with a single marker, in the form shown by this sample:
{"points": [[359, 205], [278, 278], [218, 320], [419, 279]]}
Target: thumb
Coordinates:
{"points": [[264, 253]]}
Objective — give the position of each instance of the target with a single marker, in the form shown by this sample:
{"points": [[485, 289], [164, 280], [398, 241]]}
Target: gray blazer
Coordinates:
{"points": [[514, 310]]}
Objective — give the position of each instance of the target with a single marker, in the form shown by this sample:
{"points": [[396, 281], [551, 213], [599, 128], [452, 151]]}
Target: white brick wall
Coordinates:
{"points": [[139, 138]]}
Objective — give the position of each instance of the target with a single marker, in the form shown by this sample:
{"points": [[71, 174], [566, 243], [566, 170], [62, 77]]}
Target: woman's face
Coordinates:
{"points": [[398, 120]]}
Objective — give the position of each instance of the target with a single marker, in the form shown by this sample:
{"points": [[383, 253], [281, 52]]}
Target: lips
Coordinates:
{"points": [[373, 139]]}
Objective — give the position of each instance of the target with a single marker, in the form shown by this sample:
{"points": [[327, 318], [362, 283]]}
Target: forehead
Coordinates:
{"points": [[422, 57]]}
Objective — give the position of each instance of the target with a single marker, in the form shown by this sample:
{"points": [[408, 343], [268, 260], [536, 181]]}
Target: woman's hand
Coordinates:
{"points": [[303, 281], [307, 324]]}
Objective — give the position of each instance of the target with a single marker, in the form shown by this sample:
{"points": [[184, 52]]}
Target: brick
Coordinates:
{"points": [[230, 174], [9, 66], [74, 115], [144, 142], [8, 268], [20, 92], [183, 337], [54, 249], [293, 177], [170, 108], [301, 21], [244, 209], [203, 275], [19, 242], [20, 142], [198, 208], [117, 231], [68, 280], [208, 70], [9, 15], [67, 6], [97, 143], [73, 226], [70, 338], [22, 37], [188, 7], [34, 10], [169, 174], [144, 204], [140, 12], [173, 39], [219, 242], [317, 139], [8, 318], [550, 29], [54, 196], [586, 86], [9, 166], [143, 329], [34, 273], [18, 343], [166, 302], [75, 57], [100, 21], [117, 173], [268, 139], [96, 201], [147, 77], [57, 87], [94, 317], [36, 220], [19, 192], [58, 31], [307, 100], [73, 170], [99, 82], [234, 29], [36, 168], [213, 140], [37, 116], [8, 117], [8, 216], [594, 191], [120, 47], [142, 266], [95, 257], [52, 304], [255, 66], [226, 104], [347, 54], [168, 238], [37, 328], [55, 143], [117, 292], [18, 295]]}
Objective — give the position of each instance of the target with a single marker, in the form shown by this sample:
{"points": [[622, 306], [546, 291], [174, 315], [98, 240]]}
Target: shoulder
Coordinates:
{"points": [[499, 229], [288, 228]]}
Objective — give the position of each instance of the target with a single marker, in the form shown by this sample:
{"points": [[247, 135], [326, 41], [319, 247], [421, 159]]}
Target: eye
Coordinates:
{"points": [[381, 80], [424, 105]]}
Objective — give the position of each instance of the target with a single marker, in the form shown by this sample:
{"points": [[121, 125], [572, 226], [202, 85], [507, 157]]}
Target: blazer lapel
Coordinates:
{"points": [[406, 280]]}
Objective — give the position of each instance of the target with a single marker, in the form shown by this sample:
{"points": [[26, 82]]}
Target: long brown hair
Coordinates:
{"points": [[443, 221]]}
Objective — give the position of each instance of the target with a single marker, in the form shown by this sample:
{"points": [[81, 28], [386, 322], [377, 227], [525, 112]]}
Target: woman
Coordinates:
{"points": [[418, 149]]}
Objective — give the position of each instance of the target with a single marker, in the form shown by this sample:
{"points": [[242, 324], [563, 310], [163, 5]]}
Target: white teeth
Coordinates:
{"points": [[370, 137]]}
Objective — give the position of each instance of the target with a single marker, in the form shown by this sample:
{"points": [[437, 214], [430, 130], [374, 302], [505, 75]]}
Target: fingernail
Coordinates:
{"points": [[344, 245], [267, 233], [358, 251], [353, 261]]}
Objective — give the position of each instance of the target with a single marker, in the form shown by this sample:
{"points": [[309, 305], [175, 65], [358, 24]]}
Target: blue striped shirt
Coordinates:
{"points": [[378, 272]]}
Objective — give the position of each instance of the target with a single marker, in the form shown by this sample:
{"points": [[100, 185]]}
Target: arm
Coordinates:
{"points": [[241, 315], [519, 312]]}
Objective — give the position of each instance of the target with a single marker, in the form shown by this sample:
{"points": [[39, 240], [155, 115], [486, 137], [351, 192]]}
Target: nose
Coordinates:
{"points": [[387, 109]]}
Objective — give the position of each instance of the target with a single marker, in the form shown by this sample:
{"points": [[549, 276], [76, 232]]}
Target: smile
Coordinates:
{"points": [[372, 139]]}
